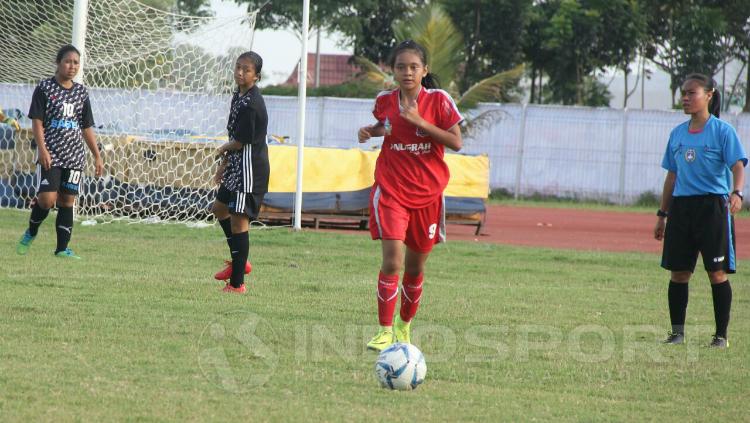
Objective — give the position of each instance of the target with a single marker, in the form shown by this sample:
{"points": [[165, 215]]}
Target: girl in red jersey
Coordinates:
{"points": [[406, 202]]}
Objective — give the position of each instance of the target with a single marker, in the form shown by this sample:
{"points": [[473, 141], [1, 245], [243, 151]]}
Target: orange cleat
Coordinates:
{"points": [[230, 289], [226, 273]]}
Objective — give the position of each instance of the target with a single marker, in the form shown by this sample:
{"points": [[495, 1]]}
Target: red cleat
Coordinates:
{"points": [[226, 273], [230, 289]]}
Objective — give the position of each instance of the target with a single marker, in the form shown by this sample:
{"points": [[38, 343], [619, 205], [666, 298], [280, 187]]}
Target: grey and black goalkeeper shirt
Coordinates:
{"points": [[65, 112], [248, 169]]}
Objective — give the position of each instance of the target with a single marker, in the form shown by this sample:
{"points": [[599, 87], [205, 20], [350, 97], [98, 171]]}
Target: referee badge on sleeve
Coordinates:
{"points": [[690, 155]]}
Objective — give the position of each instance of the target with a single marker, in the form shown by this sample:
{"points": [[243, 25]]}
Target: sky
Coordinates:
{"points": [[280, 50]]}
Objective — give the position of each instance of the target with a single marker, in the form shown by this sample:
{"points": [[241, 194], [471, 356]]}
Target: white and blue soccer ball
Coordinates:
{"points": [[401, 367]]}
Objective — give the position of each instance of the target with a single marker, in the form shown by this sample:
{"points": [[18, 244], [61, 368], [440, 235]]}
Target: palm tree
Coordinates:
{"points": [[433, 28]]}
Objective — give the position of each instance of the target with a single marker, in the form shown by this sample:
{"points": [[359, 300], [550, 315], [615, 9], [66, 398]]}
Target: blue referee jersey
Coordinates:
{"points": [[703, 160]]}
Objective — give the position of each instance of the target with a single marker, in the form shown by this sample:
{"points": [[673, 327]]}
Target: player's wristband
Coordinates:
{"points": [[739, 194], [661, 213]]}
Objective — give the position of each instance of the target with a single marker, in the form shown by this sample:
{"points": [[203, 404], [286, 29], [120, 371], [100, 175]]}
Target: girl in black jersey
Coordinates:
{"points": [[244, 170], [61, 120]]}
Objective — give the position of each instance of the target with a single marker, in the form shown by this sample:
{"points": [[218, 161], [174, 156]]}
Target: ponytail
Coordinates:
{"points": [[430, 81], [708, 84], [714, 107]]}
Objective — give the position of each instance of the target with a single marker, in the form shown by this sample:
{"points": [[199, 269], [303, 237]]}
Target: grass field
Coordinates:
{"points": [[572, 204], [138, 330]]}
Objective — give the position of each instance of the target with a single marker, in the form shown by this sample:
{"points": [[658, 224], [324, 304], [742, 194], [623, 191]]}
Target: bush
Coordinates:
{"points": [[351, 89], [648, 199], [500, 194]]}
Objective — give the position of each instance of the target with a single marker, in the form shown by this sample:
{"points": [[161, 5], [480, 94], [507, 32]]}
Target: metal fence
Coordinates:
{"points": [[592, 153], [598, 153]]}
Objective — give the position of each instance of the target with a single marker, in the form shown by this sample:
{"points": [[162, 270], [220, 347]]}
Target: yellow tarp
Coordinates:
{"points": [[138, 160], [340, 170]]}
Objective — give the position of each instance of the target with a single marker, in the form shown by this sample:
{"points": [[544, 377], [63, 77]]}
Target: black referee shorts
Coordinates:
{"points": [[699, 224], [246, 203]]}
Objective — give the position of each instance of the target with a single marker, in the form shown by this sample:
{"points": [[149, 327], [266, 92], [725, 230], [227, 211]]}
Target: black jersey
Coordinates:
{"points": [[248, 169], [65, 112]]}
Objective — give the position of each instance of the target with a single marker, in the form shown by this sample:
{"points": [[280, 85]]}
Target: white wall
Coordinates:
{"points": [[598, 153]]}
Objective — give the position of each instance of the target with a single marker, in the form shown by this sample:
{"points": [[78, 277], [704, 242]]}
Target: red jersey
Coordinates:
{"points": [[410, 166]]}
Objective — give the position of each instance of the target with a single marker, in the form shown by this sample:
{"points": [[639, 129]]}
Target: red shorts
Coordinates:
{"points": [[420, 229]]}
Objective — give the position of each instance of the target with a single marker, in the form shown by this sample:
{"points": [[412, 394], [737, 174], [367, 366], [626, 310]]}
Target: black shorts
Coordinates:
{"points": [[58, 179], [700, 223], [246, 203]]}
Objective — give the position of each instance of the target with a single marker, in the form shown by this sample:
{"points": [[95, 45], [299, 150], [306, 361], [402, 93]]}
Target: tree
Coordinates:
{"points": [[193, 7], [573, 34], [35, 29], [570, 40], [534, 48], [433, 28], [435, 31], [492, 32], [684, 37], [367, 25], [737, 17], [31, 30], [623, 36], [287, 14]]}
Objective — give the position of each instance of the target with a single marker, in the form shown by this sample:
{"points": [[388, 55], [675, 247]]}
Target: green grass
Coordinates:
{"points": [[563, 203], [647, 202], [571, 204], [138, 330]]}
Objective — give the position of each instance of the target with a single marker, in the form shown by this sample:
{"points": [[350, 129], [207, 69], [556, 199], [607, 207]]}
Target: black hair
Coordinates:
{"points": [[429, 80], [255, 59], [67, 48], [708, 84]]}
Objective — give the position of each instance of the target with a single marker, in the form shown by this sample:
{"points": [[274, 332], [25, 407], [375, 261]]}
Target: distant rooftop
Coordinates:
{"points": [[334, 69]]}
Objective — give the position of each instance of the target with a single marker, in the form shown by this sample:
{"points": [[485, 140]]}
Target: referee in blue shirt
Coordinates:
{"points": [[705, 165]]}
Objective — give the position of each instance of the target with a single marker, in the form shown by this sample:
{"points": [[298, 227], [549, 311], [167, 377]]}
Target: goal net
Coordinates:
{"points": [[159, 84]]}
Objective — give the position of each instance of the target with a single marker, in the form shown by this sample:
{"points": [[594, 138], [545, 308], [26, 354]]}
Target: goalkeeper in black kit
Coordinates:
{"points": [[244, 170]]}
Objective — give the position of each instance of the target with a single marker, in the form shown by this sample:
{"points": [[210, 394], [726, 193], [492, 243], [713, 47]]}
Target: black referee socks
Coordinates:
{"points": [[678, 301], [64, 227], [722, 293], [38, 215]]}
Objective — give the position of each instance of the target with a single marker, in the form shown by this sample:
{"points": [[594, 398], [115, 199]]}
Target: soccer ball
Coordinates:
{"points": [[400, 367]]}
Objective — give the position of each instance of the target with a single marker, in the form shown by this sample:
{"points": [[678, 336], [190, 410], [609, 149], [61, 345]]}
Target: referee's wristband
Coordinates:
{"points": [[661, 213]]}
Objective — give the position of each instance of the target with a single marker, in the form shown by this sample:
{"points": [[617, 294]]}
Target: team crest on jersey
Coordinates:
{"points": [[690, 155]]}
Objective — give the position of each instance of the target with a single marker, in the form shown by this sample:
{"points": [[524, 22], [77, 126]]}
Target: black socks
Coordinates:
{"points": [[38, 215], [240, 251], [722, 293], [64, 227], [226, 226], [678, 301]]}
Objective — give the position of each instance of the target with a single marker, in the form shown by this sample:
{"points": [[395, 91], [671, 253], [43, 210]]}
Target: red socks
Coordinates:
{"points": [[410, 296], [387, 292]]}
